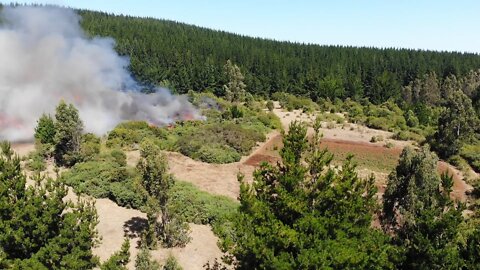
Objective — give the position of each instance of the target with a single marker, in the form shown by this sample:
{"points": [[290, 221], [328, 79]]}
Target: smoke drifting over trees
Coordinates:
{"points": [[46, 57]]}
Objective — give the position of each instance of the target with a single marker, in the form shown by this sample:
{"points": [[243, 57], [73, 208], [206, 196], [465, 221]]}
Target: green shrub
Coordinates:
{"points": [[90, 147], [201, 207], [104, 178], [405, 135], [130, 134], [217, 154], [36, 162], [291, 102], [270, 105], [119, 157], [377, 138], [172, 264], [220, 142], [378, 123], [471, 153]]}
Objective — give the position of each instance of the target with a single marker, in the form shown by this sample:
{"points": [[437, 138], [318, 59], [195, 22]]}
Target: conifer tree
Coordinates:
{"points": [[45, 129], [306, 214], [156, 183], [38, 230], [418, 211], [68, 128], [235, 89], [456, 125]]}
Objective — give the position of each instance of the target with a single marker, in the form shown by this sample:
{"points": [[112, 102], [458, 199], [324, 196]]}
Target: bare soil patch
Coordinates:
{"points": [[23, 149], [219, 179], [460, 187]]}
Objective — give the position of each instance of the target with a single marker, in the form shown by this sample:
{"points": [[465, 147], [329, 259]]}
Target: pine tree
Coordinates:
{"points": [[418, 211], [235, 89], [45, 130], [144, 261], [38, 230], [305, 214], [68, 127], [119, 259], [156, 183], [456, 125]]}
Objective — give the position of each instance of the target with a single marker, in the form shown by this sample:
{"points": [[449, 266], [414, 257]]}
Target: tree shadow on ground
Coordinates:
{"points": [[133, 227]]}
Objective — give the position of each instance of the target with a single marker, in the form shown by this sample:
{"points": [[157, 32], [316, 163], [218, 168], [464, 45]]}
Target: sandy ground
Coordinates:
{"points": [[23, 149], [220, 179], [348, 131]]}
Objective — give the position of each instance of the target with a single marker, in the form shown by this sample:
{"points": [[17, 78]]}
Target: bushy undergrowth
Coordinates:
{"points": [[230, 131], [471, 153], [201, 207], [105, 177], [387, 116], [108, 177], [291, 102]]}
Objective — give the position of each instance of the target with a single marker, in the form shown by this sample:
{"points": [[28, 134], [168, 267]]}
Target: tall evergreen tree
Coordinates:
{"points": [[418, 211], [156, 183], [38, 230], [235, 89], [68, 133], [456, 125], [305, 214]]}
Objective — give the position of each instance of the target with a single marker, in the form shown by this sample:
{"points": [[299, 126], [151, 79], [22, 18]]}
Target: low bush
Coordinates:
{"points": [[36, 162], [291, 102], [377, 138], [471, 153], [217, 153], [201, 207], [222, 142], [105, 177], [405, 135], [130, 134]]}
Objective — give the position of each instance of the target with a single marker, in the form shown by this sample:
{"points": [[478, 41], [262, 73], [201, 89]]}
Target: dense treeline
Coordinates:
{"points": [[189, 57]]}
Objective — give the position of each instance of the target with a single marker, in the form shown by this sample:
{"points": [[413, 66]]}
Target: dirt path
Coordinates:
{"points": [[460, 187]]}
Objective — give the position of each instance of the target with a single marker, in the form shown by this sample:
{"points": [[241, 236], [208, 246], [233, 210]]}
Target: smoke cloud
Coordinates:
{"points": [[45, 56]]}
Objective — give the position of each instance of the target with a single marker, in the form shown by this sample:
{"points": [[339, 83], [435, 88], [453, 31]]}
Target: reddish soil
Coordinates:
{"points": [[460, 187], [371, 159]]}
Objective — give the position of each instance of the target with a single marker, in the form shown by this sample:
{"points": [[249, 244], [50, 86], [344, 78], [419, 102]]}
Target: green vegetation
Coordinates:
{"points": [[299, 215], [38, 229], [417, 208], [155, 185], [119, 259], [230, 131], [105, 177], [144, 261], [291, 102], [201, 207], [456, 126], [304, 214], [68, 132], [171, 264], [45, 130], [196, 61]]}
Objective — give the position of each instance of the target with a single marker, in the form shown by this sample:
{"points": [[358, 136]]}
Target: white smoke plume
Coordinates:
{"points": [[45, 56]]}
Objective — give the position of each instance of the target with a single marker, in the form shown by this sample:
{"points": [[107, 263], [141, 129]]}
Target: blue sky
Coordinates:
{"points": [[451, 25]]}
